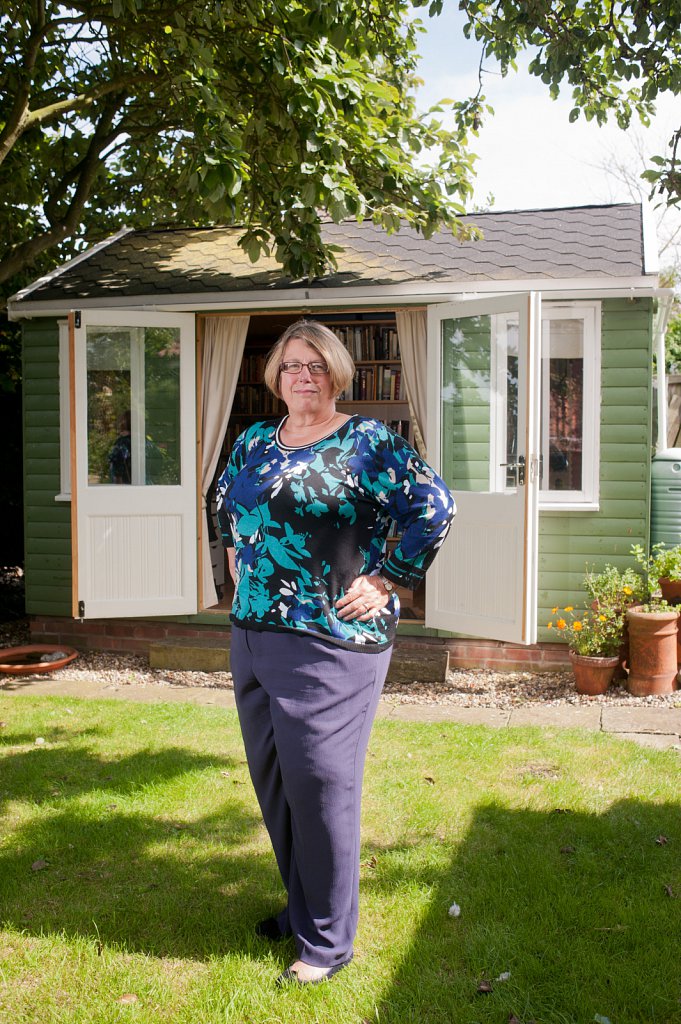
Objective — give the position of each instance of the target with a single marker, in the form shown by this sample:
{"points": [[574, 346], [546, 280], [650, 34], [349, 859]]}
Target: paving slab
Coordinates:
{"points": [[444, 713], [44, 686], [629, 719], [657, 727], [658, 740], [558, 716]]}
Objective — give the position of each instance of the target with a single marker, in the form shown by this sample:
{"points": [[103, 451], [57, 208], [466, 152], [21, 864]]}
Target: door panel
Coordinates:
{"points": [[134, 464], [483, 438]]}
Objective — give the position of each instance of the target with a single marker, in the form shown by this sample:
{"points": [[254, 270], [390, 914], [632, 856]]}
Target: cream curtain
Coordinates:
{"points": [[224, 338], [412, 331]]}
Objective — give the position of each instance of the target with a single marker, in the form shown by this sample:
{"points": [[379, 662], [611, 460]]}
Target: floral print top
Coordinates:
{"points": [[306, 521]]}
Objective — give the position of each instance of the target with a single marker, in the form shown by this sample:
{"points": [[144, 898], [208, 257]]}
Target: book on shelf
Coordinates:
{"points": [[369, 342], [252, 368], [374, 384], [401, 427]]}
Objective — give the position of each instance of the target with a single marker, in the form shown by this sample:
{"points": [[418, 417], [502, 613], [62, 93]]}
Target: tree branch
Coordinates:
{"points": [[81, 101], [14, 125], [24, 253]]}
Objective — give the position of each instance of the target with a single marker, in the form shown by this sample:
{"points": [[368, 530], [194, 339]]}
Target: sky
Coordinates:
{"points": [[530, 156]]}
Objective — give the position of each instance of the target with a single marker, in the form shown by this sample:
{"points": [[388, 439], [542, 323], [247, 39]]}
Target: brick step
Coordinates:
{"points": [[195, 655], [190, 654]]}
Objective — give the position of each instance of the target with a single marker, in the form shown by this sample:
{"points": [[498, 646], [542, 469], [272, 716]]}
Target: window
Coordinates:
{"points": [[133, 405], [570, 404]]}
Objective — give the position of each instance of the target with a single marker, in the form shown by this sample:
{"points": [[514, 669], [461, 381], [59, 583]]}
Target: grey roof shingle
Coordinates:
{"points": [[574, 242]]}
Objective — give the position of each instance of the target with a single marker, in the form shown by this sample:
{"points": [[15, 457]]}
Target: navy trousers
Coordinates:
{"points": [[306, 707]]}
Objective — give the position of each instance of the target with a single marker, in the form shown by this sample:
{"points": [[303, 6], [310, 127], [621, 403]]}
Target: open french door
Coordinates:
{"points": [[483, 438], [133, 463]]}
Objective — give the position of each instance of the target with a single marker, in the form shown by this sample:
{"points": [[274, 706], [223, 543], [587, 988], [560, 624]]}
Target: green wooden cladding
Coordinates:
{"points": [[571, 542], [568, 541], [47, 523]]}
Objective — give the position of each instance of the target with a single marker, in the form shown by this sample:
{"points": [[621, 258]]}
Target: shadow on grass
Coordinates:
{"points": [[93, 864], [581, 911], [43, 773]]}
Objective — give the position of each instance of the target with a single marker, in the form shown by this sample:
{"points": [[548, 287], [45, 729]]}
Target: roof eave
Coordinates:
{"points": [[406, 293]]}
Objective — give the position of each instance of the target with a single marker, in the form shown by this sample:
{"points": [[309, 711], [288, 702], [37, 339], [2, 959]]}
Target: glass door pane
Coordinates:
{"points": [[562, 404], [466, 402], [479, 441], [133, 405]]}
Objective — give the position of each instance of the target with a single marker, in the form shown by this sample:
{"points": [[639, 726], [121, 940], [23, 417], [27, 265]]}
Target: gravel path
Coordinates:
{"points": [[463, 687]]}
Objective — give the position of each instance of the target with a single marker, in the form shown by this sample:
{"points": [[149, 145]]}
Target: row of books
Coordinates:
{"points": [[252, 367], [369, 342], [375, 383], [255, 398], [401, 427]]}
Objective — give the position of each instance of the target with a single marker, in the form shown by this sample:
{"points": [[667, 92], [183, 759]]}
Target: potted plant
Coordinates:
{"points": [[653, 629], [653, 654], [665, 567], [594, 639], [617, 589]]}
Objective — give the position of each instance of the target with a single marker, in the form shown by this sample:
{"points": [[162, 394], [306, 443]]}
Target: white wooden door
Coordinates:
{"points": [[483, 437], [133, 464]]}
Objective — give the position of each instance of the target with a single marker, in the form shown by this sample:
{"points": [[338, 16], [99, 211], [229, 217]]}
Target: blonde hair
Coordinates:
{"points": [[322, 340]]}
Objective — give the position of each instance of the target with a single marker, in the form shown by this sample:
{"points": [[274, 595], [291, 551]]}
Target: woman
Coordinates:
{"points": [[305, 506]]}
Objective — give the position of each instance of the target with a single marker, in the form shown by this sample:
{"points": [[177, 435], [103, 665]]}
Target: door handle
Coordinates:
{"points": [[518, 467]]}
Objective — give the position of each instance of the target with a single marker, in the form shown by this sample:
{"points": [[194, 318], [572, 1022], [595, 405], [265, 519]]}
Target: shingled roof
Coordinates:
{"points": [[574, 242]]}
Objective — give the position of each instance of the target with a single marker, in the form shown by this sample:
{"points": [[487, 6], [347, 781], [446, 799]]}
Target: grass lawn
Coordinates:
{"points": [[133, 866]]}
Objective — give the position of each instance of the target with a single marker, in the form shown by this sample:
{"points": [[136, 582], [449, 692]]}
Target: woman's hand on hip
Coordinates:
{"points": [[364, 598]]}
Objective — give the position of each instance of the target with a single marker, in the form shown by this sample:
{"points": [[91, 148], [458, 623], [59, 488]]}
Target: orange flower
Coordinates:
{"points": [[554, 611], [569, 608], [550, 625], [577, 626], [561, 624]]}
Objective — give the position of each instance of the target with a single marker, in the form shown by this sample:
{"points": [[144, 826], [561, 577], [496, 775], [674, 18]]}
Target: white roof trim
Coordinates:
{"points": [[58, 271], [408, 293]]}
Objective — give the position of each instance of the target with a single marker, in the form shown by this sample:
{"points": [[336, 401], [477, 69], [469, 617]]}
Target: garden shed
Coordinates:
{"points": [[521, 363]]}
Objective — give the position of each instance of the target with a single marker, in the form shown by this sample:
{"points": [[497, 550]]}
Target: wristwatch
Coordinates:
{"points": [[386, 583]]}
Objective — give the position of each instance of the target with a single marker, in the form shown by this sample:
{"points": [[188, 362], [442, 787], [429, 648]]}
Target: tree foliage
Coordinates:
{"points": [[267, 113], [618, 56]]}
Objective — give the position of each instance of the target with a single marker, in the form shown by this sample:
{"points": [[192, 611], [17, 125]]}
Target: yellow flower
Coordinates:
{"points": [[569, 608], [627, 590], [577, 626], [601, 618], [561, 624], [554, 611], [550, 625]]}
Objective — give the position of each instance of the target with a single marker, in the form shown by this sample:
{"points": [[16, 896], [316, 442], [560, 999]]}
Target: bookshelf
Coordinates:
{"points": [[377, 392]]}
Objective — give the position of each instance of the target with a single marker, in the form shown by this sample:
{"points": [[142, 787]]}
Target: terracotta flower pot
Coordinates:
{"points": [[31, 658], [671, 591], [593, 675], [653, 664]]}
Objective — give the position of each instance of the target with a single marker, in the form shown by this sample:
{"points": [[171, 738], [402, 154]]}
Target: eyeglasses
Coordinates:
{"points": [[295, 366]]}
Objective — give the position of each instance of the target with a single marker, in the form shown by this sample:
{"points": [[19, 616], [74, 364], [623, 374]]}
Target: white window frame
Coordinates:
{"points": [[586, 499]]}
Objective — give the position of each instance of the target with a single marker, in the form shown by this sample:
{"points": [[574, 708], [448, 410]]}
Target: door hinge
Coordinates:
{"points": [[77, 318], [81, 610]]}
